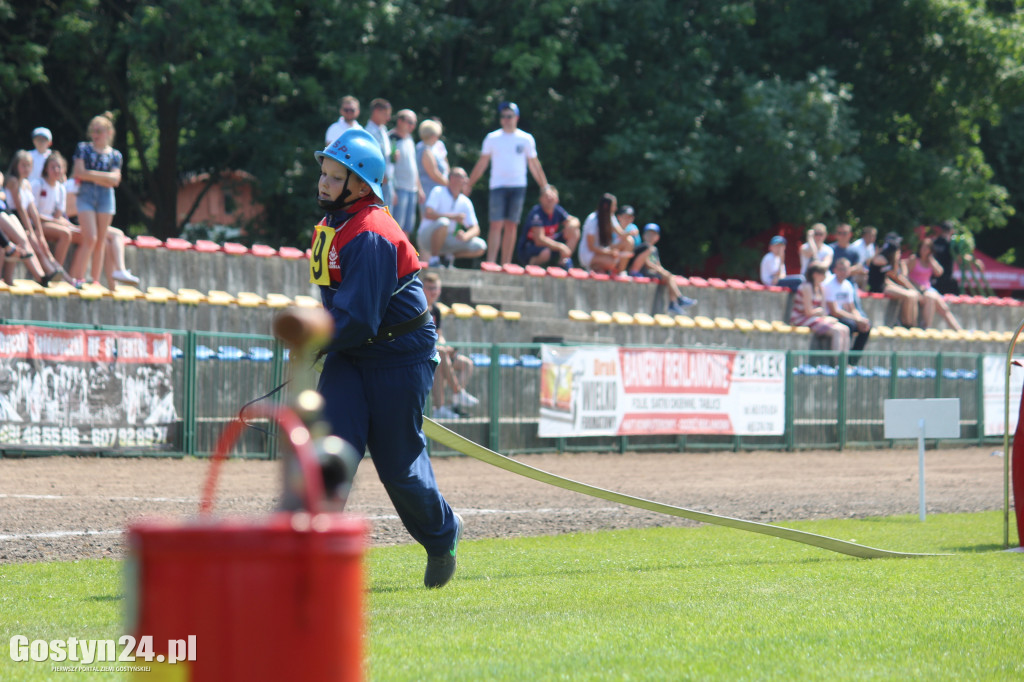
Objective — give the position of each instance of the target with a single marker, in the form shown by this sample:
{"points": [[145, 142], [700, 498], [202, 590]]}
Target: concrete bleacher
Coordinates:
{"points": [[231, 288]]}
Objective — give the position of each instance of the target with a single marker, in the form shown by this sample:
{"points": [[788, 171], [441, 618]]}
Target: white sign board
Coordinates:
{"points": [[941, 418], [994, 388]]}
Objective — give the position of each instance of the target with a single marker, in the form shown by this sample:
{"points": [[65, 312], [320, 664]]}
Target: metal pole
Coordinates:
{"points": [[920, 465]]}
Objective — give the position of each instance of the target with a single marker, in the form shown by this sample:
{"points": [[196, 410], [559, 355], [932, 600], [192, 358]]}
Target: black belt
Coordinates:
{"points": [[396, 330]]}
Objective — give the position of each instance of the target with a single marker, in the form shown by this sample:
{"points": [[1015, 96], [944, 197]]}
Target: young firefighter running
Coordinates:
{"points": [[379, 367]]}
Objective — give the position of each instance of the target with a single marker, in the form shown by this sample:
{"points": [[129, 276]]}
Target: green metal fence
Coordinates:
{"points": [[830, 403]]}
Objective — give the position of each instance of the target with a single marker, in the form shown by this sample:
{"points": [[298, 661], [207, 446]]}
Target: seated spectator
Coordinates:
{"points": [[809, 310], [840, 300], [647, 263], [431, 158], [454, 370], [22, 200], [113, 259], [948, 247], [51, 199], [887, 274], [865, 249], [815, 250], [15, 244], [450, 228], [773, 266], [550, 235], [604, 246], [922, 270], [625, 215]]}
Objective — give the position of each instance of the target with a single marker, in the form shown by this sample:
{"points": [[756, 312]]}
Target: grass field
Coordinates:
{"points": [[659, 604]]}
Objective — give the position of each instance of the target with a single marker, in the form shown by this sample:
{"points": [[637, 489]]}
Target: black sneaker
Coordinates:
{"points": [[440, 569]]}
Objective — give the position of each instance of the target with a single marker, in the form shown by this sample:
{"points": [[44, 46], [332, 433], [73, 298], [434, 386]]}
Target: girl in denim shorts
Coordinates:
{"points": [[97, 168]]}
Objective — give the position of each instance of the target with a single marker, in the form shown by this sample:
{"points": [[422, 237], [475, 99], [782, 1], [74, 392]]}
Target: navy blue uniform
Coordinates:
{"points": [[375, 391]]}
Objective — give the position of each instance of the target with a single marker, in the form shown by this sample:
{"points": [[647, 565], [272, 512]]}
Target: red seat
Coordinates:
{"points": [[235, 249], [755, 286], [263, 251], [776, 287], [291, 253], [682, 281], [490, 267], [717, 283], [579, 273], [698, 282], [875, 294], [600, 276], [735, 284], [206, 246], [536, 271], [144, 241], [513, 269], [557, 272], [644, 280], [177, 244]]}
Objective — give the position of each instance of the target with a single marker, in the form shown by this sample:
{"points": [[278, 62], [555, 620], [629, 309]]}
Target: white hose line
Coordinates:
{"points": [[461, 444]]}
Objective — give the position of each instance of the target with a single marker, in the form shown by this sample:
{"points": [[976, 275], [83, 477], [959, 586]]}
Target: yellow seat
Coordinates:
{"points": [[725, 323], [278, 301], [463, 311], [26, 287], [600, 316], [993, 335], [306, 302], [643, 319], [918, 333], [950, 335], [487, 312], [685, 321], [903, 333], [885, 332], [622, 318], [59, 290], [763, 326], [782, 327], [218, 297], [160, 295], [93, 291], [4, 286], [445, 310], [664, 320], [933, 334], [1006, 336], [123, 292], [191, 296], [579, 315], [704, 322], [511, 315], [248, 299], [800, 329], [744, 325]]}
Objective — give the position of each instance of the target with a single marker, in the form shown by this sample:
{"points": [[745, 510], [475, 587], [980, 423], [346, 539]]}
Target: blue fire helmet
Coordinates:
{"points": [[358, 151]]}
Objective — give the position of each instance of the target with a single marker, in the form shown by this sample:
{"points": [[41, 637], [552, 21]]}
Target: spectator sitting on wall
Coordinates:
{"points": [[550, 234], [773, 266], [809, 310], [840, 299], [815, 250], [647, 263], [604, 247], [923, 269], [887, 274], [454, 370], [865, 249]]}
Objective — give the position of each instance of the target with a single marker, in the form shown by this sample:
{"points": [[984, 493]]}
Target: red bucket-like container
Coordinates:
{"points": [[221, 599]]}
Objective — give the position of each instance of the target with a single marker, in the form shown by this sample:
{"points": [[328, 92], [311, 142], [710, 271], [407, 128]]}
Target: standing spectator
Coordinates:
{"points": [[815, 250], [380, 116], [510, 152], [379, 365], [455, 370], [42, 140], [809, 310], [841, 301], [450, 228], [773, 266], [551, 234], [407, 191], [22, 200], [887, 274], [922, 269], [349, 110], [431, 158], [647, 263], [865, 249], [842, 248], [97, 168], [604, 247]]}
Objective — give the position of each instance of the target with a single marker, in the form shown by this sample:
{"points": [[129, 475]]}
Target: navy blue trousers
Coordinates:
{"points": [[381, 408]]}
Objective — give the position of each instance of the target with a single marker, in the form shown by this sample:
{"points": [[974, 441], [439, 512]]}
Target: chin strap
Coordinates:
{"points": [[339, 204]]}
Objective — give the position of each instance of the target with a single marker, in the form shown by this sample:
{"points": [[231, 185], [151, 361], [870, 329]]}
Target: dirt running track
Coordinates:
{"points": [[58, 508]]}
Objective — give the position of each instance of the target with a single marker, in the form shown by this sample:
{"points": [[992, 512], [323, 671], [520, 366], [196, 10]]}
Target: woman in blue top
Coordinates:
{"points": [[97, 167]]}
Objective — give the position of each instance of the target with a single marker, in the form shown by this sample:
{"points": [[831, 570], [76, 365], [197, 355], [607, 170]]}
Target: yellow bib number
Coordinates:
{"points": [[323, 237]]}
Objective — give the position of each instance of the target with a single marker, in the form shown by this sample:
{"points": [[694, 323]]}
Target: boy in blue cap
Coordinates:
{"points": [[645, 262], [379, 366]]}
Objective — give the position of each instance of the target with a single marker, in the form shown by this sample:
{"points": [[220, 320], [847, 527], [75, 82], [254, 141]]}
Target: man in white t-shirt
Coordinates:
{"points": [[349, 110], [865, 250], [510, 152], [380, 115], [449, 227], [841, 302]]}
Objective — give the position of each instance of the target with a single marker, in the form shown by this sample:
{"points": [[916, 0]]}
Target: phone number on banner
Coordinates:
{"points": [[96, 437]]}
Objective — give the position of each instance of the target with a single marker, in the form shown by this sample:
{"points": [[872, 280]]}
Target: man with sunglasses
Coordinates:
{"points": [[349, 113], [512, 152]]}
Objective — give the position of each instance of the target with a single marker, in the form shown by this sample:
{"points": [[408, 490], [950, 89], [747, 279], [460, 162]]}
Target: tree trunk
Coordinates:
{"points": [[165, 191]]}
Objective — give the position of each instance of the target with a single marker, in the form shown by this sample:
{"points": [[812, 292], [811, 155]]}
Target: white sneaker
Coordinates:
{"points": [[125, 276], [444, 412], [464, 399], [434, 262]]}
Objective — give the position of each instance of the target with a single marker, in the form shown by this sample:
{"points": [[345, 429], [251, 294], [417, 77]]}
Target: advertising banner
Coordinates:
{"points": [[611, 391], [80, 389], [994, 389]]}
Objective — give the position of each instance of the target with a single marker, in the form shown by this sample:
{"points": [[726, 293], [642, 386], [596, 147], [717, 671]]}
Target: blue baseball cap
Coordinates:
{"points": [[511, 106], [777, 239], [652, 227]]}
